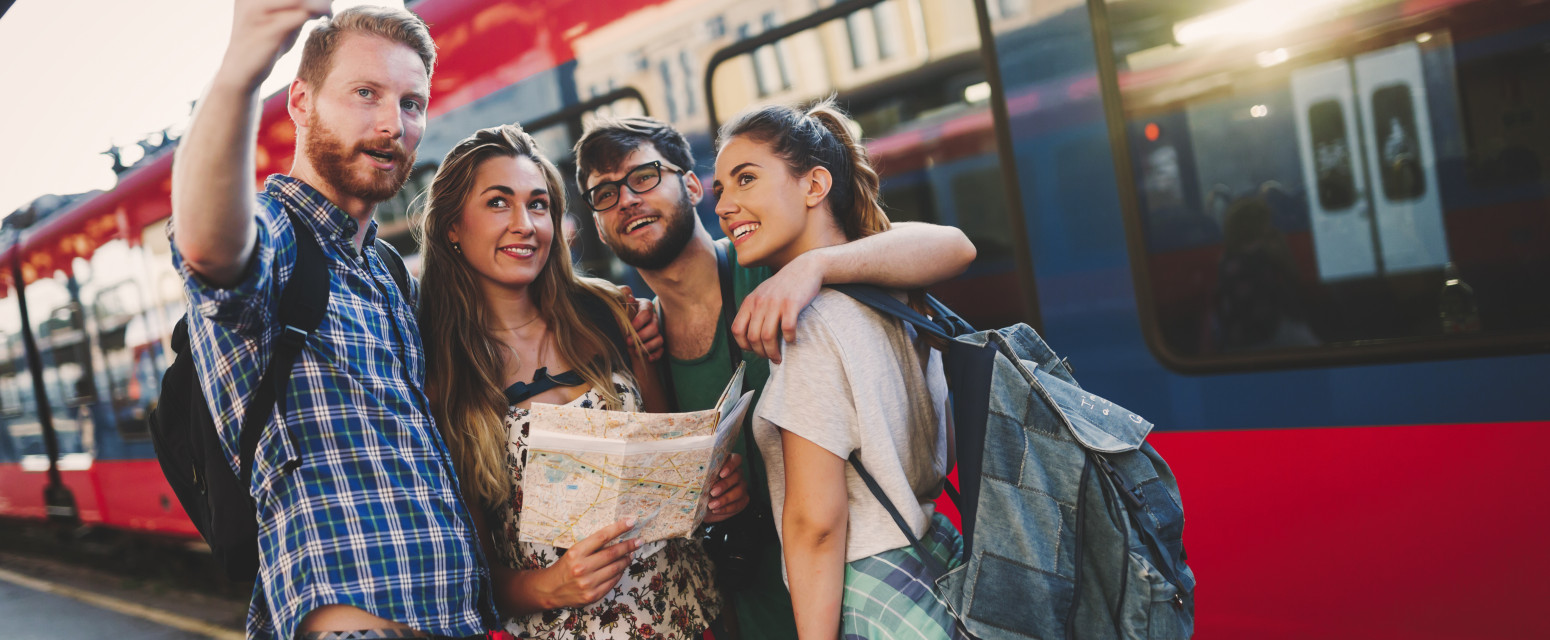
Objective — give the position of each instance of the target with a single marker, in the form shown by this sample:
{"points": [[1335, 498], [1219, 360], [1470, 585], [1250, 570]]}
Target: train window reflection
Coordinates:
{"points": [[1315, 183], [1398, 148], [1331, 156]]}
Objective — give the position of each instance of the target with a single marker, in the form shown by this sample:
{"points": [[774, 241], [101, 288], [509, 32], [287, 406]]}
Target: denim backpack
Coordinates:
{"points": [[1072, 524]]}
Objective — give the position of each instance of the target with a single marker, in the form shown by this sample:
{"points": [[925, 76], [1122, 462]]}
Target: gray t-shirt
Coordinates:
{"points": [[856, 379]]}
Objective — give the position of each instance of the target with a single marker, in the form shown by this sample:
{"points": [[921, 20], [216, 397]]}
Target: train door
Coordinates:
{"points": [[1357, 123], [1332, 168], [1401, 158]]}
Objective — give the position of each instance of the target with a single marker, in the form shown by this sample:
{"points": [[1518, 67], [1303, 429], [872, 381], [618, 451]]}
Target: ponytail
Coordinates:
{"points": [[862, 190]]}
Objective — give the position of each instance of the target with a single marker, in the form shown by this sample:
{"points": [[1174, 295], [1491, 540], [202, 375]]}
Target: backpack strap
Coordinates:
{"points": [[936, 568], [396, 268], [944, 324], [728, 302], [1140, 514], [303, 303]]}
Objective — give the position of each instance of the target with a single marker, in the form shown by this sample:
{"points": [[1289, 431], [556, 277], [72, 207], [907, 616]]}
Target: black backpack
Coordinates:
{"points": [[184, 434]]}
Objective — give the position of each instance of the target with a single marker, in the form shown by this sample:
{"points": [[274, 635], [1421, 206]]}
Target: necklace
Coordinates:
{"points": [[531, 320]]}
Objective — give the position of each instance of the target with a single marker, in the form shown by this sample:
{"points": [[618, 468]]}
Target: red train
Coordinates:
{"points": [[1309, 241]]}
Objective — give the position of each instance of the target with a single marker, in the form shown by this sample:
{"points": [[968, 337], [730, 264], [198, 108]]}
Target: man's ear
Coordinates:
{"points": [[817, 183], [692, 184], [299, 102], [597, 222]]}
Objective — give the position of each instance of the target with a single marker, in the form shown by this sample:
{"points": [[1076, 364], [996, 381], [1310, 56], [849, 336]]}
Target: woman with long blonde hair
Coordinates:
{"points": [[507, 322], [853, 383]]}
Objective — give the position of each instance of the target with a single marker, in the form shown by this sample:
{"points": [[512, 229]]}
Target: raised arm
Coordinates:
{"points": [[212, 176], [909, 255]]}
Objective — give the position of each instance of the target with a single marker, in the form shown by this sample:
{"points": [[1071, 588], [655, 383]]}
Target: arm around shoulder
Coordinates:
{"points": [[910, 255]]}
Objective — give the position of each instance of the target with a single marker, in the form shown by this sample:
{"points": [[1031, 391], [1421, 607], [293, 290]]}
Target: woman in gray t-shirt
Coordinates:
{"points": [[852, 382]]}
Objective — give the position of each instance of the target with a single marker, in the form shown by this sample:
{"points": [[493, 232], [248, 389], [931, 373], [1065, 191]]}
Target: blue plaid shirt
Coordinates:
{"points": [[358, 502]]}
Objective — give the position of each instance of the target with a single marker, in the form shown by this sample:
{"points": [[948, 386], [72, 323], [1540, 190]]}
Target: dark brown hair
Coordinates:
{"points": [[607, 141]]}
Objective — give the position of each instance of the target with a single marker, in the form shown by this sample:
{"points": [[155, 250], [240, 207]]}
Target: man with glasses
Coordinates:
{"points": [[637, 176]]}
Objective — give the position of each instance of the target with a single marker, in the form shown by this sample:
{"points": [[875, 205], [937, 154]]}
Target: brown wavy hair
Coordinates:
{"points": [[465, 378]]}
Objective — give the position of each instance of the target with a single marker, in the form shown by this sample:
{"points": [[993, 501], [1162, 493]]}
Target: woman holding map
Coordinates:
{"points": [[506, 322], [853, 382]]}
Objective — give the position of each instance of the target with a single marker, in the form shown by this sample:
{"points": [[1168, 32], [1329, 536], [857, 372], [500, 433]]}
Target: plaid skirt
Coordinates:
{"points": [[889, 595]]}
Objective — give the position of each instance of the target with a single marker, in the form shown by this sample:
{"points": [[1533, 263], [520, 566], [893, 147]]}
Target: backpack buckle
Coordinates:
{"points": [[292, 337]]}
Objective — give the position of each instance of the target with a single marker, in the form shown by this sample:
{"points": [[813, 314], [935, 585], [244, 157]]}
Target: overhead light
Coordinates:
{"points": [[977, 92], [1424, 38], [1271, 58], [1250, 20], [1259, 111]]}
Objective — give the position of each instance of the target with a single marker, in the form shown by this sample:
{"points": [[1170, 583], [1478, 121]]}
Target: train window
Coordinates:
{"points": [[1331, 156], [13, 361], [130, 355], [1504, 122], [1398, 147], [1333, 185], [67, 359], [10, 395], [912, 77]]}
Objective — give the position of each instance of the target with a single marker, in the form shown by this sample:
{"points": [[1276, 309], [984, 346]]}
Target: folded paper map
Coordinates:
{"points": [[589, 468]]}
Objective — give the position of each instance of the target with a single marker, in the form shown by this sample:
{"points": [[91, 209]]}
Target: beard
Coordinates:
{"points": [[334, 161], [677, 229]]}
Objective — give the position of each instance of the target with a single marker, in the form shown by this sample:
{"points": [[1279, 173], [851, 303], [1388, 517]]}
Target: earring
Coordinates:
{"points": [[458, 248]]}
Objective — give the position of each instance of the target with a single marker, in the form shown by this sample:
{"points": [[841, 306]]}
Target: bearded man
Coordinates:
{"points": [[361, 529]]}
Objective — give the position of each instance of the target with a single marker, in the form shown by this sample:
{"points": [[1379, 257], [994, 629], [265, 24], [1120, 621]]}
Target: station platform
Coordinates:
{"points": [[50, 601]]}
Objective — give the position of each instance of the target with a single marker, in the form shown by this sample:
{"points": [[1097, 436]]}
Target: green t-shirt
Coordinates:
{"points": [[764, 607]]}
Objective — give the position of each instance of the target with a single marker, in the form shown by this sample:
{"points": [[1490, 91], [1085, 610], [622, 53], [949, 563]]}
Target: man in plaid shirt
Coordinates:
{"points": [[362, 530]]}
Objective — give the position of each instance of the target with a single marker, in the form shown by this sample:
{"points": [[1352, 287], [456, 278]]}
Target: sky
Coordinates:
{"points": [[84, 75]]}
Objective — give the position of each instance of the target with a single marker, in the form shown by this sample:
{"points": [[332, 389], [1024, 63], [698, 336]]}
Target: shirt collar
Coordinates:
{"points": [[327, 219]]}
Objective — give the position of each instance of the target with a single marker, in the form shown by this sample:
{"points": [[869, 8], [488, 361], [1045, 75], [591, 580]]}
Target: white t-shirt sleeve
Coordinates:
{"points": [[808, 393]]}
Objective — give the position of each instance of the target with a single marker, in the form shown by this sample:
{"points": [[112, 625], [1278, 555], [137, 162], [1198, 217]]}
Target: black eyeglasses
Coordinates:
{"points": [[641, 179]]}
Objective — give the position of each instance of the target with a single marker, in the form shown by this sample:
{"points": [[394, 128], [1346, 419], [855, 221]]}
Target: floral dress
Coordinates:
{"points": [[667, 592]]}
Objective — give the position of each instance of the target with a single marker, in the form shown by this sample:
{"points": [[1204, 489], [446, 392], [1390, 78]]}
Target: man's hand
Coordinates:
{"points": [[770, 312], [729, 495], [645, 323], [262, 31]]}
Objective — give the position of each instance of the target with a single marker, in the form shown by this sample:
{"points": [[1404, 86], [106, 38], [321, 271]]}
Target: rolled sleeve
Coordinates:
{"points": [[246, 306]]}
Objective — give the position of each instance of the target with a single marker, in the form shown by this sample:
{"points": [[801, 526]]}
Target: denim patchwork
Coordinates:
{"points": [[1073, 524], [1025, 577]]}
